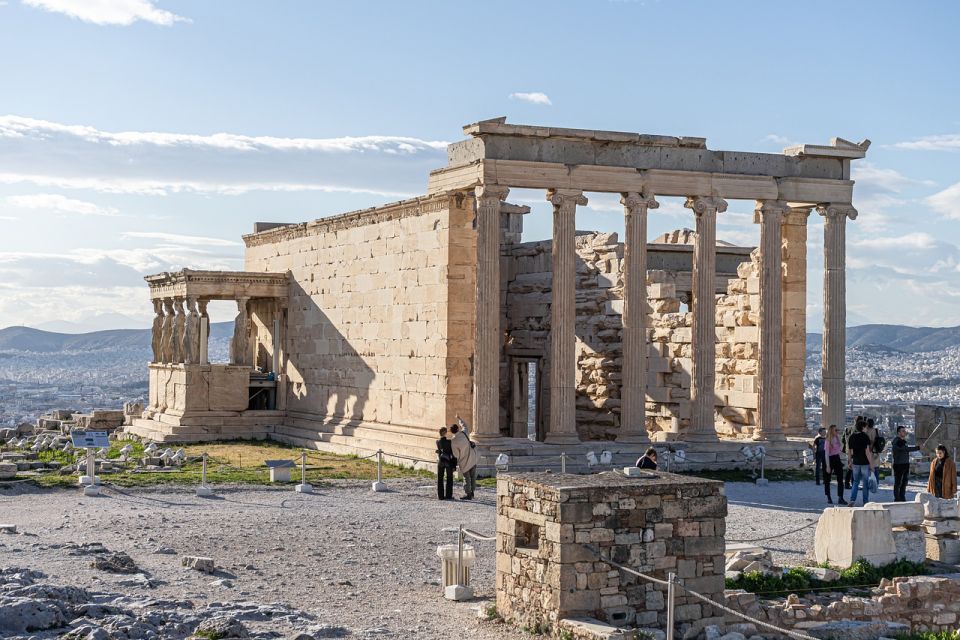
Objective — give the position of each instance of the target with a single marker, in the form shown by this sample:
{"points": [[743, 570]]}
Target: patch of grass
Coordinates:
{"points": [[234, 463], [930, 635], [799, 580]]}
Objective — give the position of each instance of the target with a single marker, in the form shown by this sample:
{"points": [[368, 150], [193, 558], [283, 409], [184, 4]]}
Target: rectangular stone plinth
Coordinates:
{"points": [[555, 533]]}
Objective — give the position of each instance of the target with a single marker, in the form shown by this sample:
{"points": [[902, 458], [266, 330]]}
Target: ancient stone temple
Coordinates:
{"points": [[371, 329]]}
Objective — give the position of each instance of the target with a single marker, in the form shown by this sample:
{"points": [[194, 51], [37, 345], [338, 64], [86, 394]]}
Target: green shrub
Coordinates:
{"points": [[798, 579]]}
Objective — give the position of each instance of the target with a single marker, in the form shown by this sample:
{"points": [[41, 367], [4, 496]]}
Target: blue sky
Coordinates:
{"points": [[138, 136]]}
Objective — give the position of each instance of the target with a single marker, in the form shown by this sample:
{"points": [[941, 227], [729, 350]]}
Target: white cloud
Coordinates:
{"points": [[879, 179], [948, 142], [44, 153], [946, 202], [60, 204], [533, 97], [182, 239], [916, 240], [109, 12], [778, 139]]}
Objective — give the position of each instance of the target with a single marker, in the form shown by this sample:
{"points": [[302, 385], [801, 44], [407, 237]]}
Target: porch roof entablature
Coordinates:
{"points": [[218, 285]]}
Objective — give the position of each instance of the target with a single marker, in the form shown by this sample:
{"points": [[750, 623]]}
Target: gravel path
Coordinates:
{"points": [[346, 556]]}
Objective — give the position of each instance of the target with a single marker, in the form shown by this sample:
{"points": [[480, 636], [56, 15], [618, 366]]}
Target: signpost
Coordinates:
{"points": [[91, 441]]}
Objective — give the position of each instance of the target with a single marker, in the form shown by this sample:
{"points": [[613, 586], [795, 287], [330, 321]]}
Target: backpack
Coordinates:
{"points": [[879, 444]]}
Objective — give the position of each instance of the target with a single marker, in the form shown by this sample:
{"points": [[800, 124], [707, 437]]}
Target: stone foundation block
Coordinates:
{"points": [[844, 535]]}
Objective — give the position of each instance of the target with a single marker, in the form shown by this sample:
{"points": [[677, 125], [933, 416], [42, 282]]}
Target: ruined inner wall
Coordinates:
{"points": [[929, 434], [599, 305], [379, 325]]}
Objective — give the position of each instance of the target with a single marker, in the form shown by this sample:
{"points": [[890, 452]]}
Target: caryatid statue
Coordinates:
{"points": [[240, 345], [178, 326], [166, 332], [191, 333], [156, 337]]}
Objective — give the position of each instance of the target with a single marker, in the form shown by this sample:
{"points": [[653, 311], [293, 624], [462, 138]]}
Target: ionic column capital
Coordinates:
{"points": [[832, 211], [566, 198], [770, 208], [702, 204], [633, 201], [491, 192]]}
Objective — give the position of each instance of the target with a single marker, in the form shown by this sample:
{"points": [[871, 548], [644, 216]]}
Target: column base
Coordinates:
{"points": [[699, 436], [633, 438], [562, 438], [774, 436]]}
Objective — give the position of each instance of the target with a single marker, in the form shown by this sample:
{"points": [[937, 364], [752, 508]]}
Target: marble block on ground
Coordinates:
{"points": [[938, 508], [910, 544], [902, 514], [844, 535]]}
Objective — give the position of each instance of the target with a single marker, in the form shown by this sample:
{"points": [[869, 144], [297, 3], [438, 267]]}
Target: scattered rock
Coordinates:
{"points": [[115, 563], [164, 551], [224, 627], [824, 574], [198, 563]]}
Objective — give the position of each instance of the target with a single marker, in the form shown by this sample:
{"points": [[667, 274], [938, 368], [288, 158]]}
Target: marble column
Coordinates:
{"points": [[833, 390], [794, 234], [488, 341], [240, 344], [704, 327], [633, 395], [156, 335], [770, 214], [563, 317]]}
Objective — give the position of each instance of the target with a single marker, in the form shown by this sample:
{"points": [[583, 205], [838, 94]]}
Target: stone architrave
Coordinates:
{"points": [[487, 339], [633, 415], [703, 329], [179, 328], [156, 335], [770, 214], [794, 234], [240, 344], [834, 390], [166, 340], [191, 333], [563, 357]]}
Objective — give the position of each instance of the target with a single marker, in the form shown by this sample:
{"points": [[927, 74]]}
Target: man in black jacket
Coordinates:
{"points": [[446, 463], [901, 464]]}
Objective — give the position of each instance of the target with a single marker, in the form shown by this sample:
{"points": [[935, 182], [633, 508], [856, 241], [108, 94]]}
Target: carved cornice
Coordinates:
{"points": [[701, 204], [404, 209], [834, 211], [632, 201], [566, 198], [177, 286]]}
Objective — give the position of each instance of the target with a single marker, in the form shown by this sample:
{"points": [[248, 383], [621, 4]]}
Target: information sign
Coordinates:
{"points": [[90, 439]]}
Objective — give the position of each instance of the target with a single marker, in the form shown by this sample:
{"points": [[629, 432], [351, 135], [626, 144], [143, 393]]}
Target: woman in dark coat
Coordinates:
{"points": [[943, 475], [648, 460]]}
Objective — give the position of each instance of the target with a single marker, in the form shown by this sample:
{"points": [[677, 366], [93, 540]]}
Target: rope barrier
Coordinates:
{"points": [[779, 535]]}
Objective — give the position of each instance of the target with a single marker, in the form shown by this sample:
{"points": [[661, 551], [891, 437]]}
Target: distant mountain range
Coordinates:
{"points": [[38, 340], [877, 337], [888, 337]]}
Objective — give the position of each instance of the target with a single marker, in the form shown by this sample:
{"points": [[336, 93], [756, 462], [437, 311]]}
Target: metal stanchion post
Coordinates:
{"points": [[563, 462], [90, 481], [459, 591], [303, 487], [378, 485], [762, 480], [671, 598], [203, 490]]}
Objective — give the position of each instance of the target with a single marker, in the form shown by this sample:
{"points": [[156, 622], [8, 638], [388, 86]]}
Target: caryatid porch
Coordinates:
{"points": [[566, 163], [185, 388]]}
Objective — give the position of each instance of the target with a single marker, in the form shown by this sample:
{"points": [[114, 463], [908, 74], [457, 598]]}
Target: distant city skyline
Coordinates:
{"points": [[138, 136]]}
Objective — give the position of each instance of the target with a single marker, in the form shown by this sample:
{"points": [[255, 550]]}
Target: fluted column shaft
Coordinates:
{"points": [[563, 359], [794, 233], [770, 214], [833, 390], [633, 395], [487, 339], [704, 327]]}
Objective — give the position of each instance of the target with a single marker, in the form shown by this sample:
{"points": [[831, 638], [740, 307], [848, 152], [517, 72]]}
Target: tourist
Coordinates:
{"points": [[467, 458], [943, 475], [901, 464], [819, 455], [877, 444], [446, 463], [847, 432], [648, 460], [860, 462], [832, 448]]}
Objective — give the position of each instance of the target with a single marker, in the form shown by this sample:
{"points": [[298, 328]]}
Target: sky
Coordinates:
{"points": [[138, 136]]}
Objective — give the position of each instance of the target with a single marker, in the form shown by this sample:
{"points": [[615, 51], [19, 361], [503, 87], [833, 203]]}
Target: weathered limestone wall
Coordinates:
{"points": [[599, 304], [927, 418], [555, 531], [380, 318]]}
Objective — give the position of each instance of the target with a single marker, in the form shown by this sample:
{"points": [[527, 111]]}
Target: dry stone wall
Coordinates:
{"points": [[599, 306], [381, 309]]}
